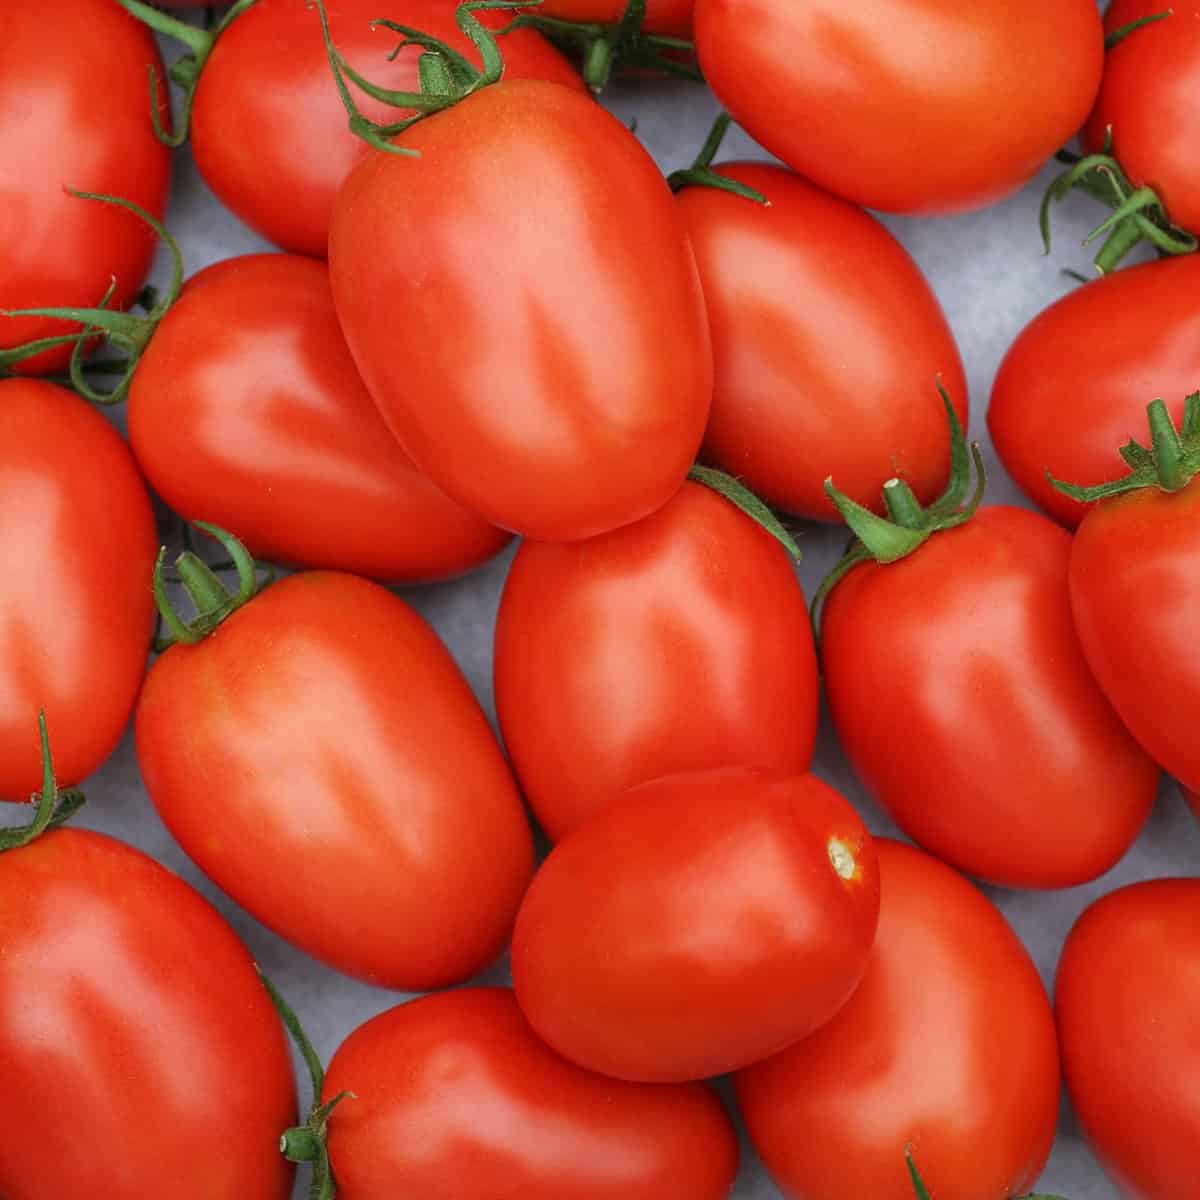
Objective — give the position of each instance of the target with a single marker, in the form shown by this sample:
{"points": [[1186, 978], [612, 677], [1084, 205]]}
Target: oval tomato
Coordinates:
{"points": [[805, 388], [269, 74], [133, 1029], [1066, 400], [76, 614], [1127, 994], [74, 115], [249, 383], [963, 700], [456, 1098], [678, 643], [522, 303], [850, 103], [697, 924], [323, 760], [947, 1047]]}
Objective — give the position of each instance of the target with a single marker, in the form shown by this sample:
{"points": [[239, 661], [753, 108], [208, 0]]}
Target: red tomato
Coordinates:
{"points": [[947, 1046], [1148, 97], [273, 180], [322, 759], [961, 695], [249, 383], [670, 17], [523, 305], [697, 924], [456, 1098], [1127, 993], [917, 106], [74, 114], [678, 643], [827, 349], [1065, 400], [134, 1032], [76, 611]]}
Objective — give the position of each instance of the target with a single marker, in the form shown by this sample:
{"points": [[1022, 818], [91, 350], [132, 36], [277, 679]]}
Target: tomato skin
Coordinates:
{"points": [[403, 806], [532, 219], [458, 1099], [77, 615], [805, 387], [1127, 992], [988, 741], [606, 653], [133, 1029], [832, 1116], [1065, 400], [74, 114], [252, 387], [670, 17], [841, 92], [696, 924], [272, 179]]}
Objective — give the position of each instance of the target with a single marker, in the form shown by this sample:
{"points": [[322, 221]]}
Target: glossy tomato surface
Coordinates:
{"points": [[456, 1098], [697, 924], [915, 106], [74, 114], [267, 98], [522, 303], [827, 349], [947, 1047], [247, 411], [1074, 386], [1127, 993], [680, 642], [76, 612], [962, 698], [134, 1033], [1135, 582], [321, 758]]}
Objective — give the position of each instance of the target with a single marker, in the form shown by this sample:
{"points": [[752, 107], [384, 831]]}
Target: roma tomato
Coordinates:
{"points": [[76, 615], [841, 92], [323, 760], [74, 115], [804, 388], [947, 1047], [1065, 400], [678, 643], [1127, 994], [697, 924], [534, 220], [456, 1098], [246, 411]]}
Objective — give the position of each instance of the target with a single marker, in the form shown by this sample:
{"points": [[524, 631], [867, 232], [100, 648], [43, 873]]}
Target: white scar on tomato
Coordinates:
{"points": [[842, 858]]}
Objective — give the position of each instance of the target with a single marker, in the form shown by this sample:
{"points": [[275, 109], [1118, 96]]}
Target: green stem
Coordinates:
{"points": [[54, 807], [1167, 448], [738, 494], [1119, 35], [903, 507], [701, 173]]}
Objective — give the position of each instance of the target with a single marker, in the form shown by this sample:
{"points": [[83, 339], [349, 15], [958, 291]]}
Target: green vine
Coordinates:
{"points": [[54, 807]]}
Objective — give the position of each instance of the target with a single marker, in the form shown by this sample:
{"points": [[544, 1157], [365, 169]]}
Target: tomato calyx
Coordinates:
{"points": [[54, 807], [924, 1194], [701, 173], [738, 494], [1119, 35]]}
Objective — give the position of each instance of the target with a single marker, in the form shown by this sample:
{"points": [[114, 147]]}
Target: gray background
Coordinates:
{"points": [[989, 273]]}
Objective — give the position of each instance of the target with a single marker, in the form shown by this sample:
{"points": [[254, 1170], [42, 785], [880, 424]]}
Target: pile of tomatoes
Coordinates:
{"points": [[489, 315]]}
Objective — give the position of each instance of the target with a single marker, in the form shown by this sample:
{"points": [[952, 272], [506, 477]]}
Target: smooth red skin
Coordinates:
{"points": [[678, 643], [322, 758], [696, 924], [962, 698], [456, 1098], [142, 1055], [267, 98], [1135, 582], [947, 1046], [827, 350], [858, 98], [1148, 96], [1127, 993], [1065, 399], [670, 17], [523, 304], [76, 611], [247, 411], [74, 113]]}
